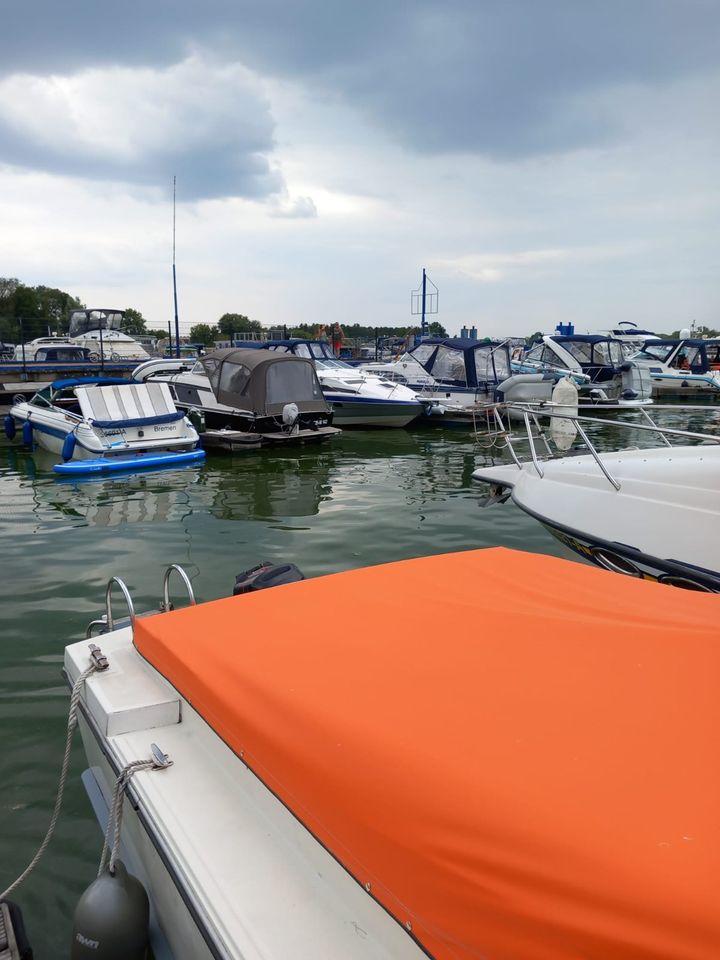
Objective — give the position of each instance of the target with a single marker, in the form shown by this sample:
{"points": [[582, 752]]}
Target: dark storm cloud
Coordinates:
{"points": [[503, 78]]}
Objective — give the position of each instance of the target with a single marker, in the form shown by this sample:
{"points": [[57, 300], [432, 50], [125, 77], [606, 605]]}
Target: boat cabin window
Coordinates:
{"points": [[492, 363], [291, 383], [321, 351], [302, 350], [685, 358], [83, 321], [449, 364], [66, 355], [580, 351], [423, 353], [211, 366], [713, 356], [544, 354], [617, 357], [234, 377], [536, 353]]}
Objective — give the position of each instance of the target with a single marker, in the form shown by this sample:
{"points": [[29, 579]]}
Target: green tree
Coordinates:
{"points": [[203, 333], [437, 329], [230, 323], [133, 322], [33, 311]]}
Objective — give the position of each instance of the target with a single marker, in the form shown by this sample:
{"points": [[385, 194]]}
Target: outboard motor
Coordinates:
{"points": [[636, 382], [266, 575], [525, 388], [111, 918]]}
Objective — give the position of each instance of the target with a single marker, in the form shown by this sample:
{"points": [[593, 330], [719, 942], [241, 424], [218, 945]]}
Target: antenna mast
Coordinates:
{"points": [[424, 301], [177, 322]]}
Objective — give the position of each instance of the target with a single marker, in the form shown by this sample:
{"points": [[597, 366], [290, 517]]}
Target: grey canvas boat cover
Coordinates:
{"points": [[263, 381]]}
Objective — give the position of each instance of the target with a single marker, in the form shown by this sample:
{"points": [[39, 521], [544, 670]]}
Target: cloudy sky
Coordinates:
{"points": [[545, 160]]}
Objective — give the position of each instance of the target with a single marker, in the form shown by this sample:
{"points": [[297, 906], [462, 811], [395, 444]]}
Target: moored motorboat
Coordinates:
{"points": [[101, 424], [604, 376], [98, 330], [455, 799], [462, 376], [650, 512], [683, 367], [358, 397], [258, 396]]}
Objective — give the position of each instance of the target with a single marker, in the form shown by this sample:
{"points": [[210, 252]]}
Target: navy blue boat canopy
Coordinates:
{"points": [[463, 362]]}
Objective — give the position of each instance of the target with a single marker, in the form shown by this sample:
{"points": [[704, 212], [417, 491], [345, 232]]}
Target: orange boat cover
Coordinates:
{"points": [[519, 755]]}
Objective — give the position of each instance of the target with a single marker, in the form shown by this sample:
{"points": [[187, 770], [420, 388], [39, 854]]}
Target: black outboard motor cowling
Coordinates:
{"points": [[266, 575]]}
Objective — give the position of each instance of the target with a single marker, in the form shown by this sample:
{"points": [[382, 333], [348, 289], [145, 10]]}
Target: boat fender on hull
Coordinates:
{"points": [[68, 447], [9, 424], [111, 918], [266, 575], [27, 433]]}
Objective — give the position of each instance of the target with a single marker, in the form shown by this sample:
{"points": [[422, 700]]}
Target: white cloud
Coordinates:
{"points": [[209, 122]]}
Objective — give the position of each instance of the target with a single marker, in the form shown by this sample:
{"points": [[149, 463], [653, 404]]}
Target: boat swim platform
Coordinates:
{"points": [[234, 441]]}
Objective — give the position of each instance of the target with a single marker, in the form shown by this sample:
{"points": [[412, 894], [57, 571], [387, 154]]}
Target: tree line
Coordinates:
{"points": [[27, 312]]}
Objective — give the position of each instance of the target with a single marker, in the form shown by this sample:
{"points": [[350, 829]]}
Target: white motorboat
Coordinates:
{"points": [[384, 796], [359, 398], [685, 367], [604, 376], [651, 513], [262, 396], [630, 336], [101, 424], [461, 375], [98, 330]]}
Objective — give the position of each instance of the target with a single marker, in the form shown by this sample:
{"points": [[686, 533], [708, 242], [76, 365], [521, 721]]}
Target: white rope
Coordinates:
{"points": [[114, 823], [72, 723]]}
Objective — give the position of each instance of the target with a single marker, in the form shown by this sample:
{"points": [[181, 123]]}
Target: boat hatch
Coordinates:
{"points": [[127, 403]]}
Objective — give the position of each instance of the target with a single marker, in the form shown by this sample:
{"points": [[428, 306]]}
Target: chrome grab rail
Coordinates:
{"points": [[596, 457], [166, 604], [109, 620], [651, 427], [533, 454]]}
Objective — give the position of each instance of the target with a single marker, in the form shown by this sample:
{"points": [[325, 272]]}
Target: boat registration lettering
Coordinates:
{"points": [[164, 429]]}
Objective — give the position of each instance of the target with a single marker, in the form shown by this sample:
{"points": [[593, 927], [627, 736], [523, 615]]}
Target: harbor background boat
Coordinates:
{"points": [[366, 498]]}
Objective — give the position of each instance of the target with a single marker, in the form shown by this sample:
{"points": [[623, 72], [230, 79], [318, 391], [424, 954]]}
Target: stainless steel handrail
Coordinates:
{"points": [[108, 602], [166, 604]]}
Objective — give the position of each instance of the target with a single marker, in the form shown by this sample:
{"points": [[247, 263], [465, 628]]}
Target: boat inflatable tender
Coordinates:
{"points": [[133, 461], [266, 575]]}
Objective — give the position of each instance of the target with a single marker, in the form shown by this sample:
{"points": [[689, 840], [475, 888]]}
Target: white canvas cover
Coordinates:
{"points": [[131, 401]]}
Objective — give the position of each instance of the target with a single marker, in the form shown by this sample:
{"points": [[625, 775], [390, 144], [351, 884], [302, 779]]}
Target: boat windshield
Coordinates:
{"points": [[329, 364], [654, 351], [83, 321]]}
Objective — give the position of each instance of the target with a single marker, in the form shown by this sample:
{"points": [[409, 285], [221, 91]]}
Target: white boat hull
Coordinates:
{"points": [[221, 857], [663, 523]]}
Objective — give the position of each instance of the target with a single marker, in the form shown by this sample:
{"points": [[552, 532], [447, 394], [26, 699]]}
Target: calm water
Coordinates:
{"points": [[363, 498]]}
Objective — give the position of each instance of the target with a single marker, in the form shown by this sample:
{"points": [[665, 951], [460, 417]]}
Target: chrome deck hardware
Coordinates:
{"points": [[166, 604]]}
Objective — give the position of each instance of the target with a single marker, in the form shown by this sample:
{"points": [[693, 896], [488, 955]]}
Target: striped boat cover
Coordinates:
{"points": [[131, 401]]}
